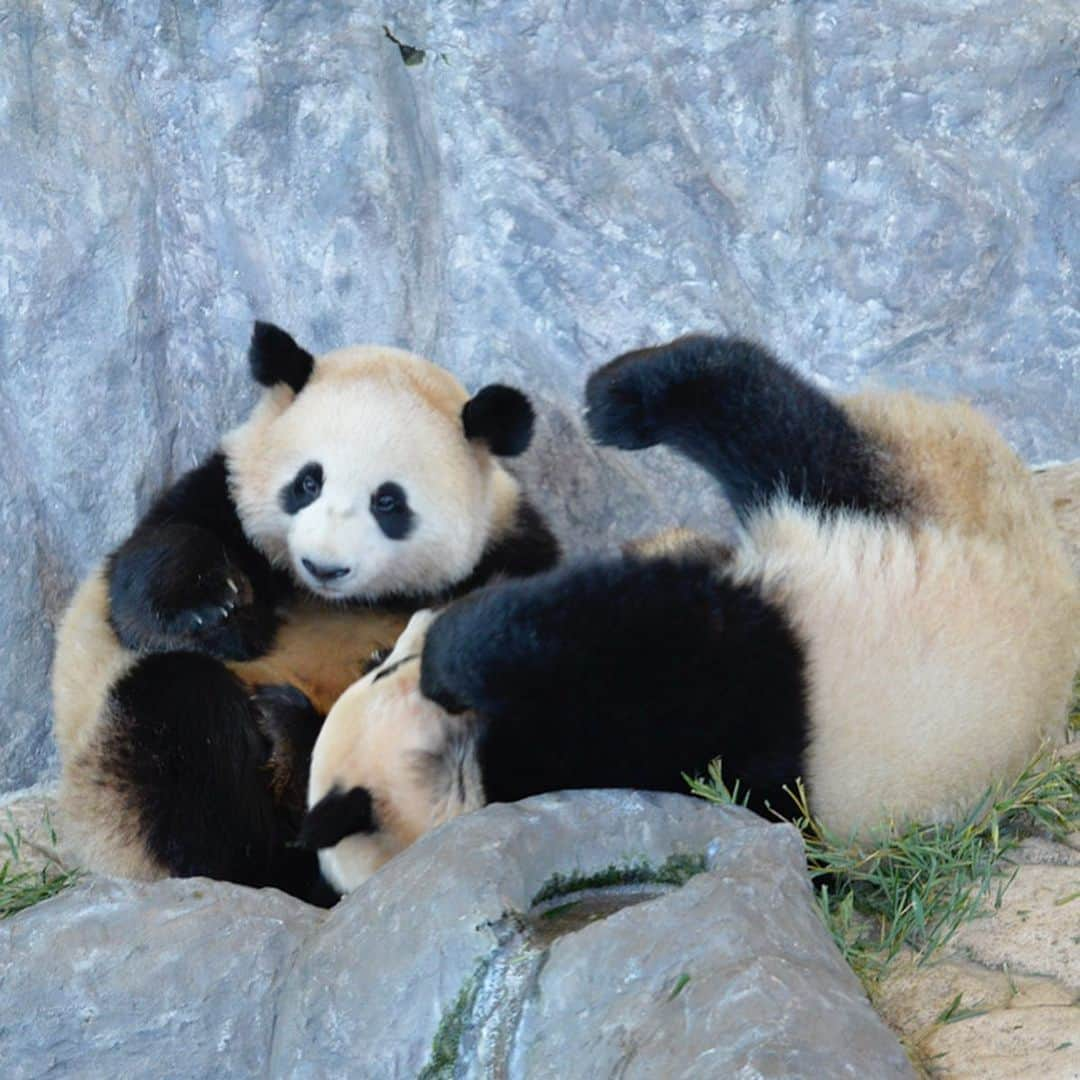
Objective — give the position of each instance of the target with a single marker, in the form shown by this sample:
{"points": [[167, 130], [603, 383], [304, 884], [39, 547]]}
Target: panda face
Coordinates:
{"points": [[388, 766], [364, 484]]}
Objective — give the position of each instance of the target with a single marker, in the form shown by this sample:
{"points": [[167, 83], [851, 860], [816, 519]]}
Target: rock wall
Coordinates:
{"points": [[519, 190]]}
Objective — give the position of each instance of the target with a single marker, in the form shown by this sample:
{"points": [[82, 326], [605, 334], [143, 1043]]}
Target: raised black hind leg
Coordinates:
{"points": [[621, 673], [195, 752], [755, 424]]}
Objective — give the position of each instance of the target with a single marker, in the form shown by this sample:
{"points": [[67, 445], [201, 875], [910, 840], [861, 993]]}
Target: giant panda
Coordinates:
{"points": [[194, 666], [896, 623]]}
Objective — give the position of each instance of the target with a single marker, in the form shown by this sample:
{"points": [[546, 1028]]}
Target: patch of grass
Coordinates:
{"points": [[20, 888], [952, 1013], [917, 885], [675, 870]]}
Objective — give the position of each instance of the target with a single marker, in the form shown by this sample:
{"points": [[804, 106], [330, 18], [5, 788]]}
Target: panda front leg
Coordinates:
{"points": [[621, 673], [175, 587], [215, 774], [188, 579], [755, 424]]}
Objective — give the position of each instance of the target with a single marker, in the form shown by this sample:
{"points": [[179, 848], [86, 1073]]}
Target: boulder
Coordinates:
{"points": [[573, 935]]}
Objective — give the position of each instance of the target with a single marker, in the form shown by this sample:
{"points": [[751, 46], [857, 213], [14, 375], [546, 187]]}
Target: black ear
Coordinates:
{"points": [[500, 416], [336, 815], [275, 358]]}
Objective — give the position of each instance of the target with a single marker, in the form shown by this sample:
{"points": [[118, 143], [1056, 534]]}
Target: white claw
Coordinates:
{"points": [[224, 612], [232, 585], [197, 618]]}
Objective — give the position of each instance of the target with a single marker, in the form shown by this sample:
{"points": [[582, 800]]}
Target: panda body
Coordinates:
{"points": [[896, 623], [194, 666]]}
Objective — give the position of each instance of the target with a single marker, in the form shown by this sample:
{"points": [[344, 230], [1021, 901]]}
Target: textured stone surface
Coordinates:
{"points": [[726, 977], [1007, 984], [1036, 929], [1004, 1025], [195, 978], [880, 191], [175, 979]]}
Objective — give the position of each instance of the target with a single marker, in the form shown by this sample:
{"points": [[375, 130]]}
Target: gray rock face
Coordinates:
{"points": [[174, 979], [446, 963], [879, 191]]}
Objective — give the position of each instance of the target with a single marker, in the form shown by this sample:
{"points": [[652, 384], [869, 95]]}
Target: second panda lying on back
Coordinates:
{"points": [[897, 624]]}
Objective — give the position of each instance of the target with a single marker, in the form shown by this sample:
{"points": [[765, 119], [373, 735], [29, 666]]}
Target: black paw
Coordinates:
{"points": [[209, 603], [214, 613], [176, 588], [627, 399]]}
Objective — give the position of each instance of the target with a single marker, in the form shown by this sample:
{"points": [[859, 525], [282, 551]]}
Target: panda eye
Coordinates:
{"points": [[386, 503], [390, 508], [304, 488]]}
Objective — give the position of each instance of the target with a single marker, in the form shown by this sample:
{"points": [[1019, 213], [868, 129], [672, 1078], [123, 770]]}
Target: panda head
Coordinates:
{"points": [[388, 766], [368, 472]]}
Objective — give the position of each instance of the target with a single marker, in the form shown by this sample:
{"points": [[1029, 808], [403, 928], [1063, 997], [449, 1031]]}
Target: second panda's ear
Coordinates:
{"points": [[336, 815], [275, 358], [501, 417]]}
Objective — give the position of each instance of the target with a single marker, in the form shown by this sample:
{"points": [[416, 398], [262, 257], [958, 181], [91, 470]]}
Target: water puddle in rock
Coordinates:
{"points": [[548, 922]]}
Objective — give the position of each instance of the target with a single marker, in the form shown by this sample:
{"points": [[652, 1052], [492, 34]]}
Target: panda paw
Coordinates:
{"points": [[202, 619], [177, 587], [627, 400]]}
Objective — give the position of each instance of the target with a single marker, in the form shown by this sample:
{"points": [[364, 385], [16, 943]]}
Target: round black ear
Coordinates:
{"points": [[500, 416], [275, 358]]}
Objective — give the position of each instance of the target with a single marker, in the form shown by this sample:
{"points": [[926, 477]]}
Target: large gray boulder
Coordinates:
{"points": [[520, 190], [591, 935]]}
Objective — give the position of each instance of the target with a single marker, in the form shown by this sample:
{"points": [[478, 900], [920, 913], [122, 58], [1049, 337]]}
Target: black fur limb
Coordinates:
{"points": [[622, 673], [187, 745], [188, 578], [754, 423]]}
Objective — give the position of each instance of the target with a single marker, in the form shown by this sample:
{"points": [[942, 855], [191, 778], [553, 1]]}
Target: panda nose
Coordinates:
{"points": [[324, 573]]}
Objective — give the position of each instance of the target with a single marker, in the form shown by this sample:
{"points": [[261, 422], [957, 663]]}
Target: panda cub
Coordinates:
{"points": [[897, 624], [193, 668]]}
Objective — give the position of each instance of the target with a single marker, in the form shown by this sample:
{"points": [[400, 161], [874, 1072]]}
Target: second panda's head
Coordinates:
{"points": [[368, 472], [389, 765]]}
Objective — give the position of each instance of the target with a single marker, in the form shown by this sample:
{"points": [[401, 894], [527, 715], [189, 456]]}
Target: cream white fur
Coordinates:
{"points": [[385, 736], [940, 649], [89, 660], [369, 415]]}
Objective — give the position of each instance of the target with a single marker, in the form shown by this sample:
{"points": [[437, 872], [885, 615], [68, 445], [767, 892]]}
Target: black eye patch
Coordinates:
{"points": [[376, 659], [390, 508], [393, 667], [304, 488]]}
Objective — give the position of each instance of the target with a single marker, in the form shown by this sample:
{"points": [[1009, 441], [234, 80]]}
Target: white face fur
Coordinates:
{"points": [[363, 485], [414, 761]]}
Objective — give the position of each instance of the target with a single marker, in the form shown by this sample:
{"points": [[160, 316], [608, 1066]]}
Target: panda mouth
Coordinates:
{"points": [[341, 588], [328, 592]]}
